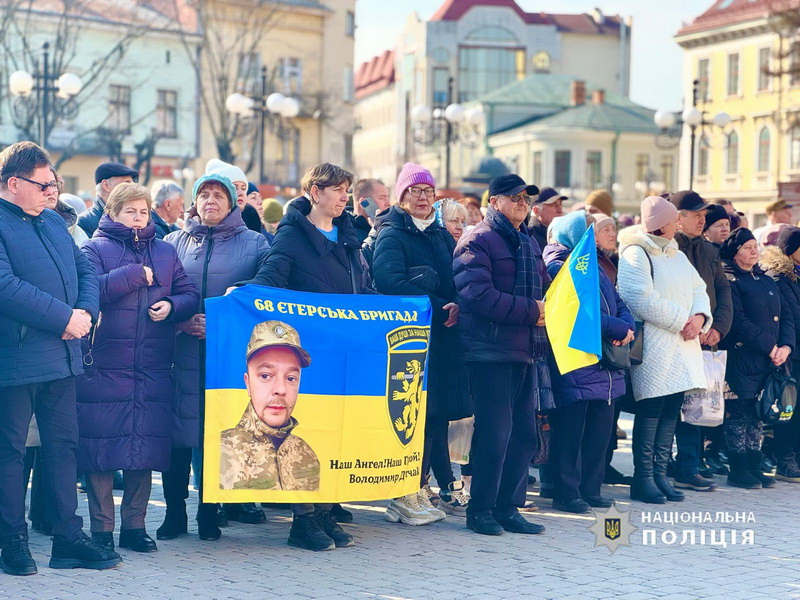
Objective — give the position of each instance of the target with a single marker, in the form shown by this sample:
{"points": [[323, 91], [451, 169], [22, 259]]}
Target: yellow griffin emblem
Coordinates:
{"points": [[612, 528], [582, 264], [411, 394]]}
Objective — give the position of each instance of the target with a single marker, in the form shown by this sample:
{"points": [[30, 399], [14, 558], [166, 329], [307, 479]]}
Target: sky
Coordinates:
{"points": [[656, 60]]}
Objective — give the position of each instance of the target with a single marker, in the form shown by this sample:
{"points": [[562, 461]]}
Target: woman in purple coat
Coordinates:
{"points": [[125, 396]]}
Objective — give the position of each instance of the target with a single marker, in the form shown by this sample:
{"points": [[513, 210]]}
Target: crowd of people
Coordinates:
{"points": [[102, 343]]}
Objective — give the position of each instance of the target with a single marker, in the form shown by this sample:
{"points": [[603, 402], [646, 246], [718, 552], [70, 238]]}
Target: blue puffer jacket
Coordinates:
{"points": [[593, 382], [214, 258], [125, 396], [43, 277]]}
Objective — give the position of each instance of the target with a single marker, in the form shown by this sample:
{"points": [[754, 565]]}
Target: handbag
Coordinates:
{"points": [[776, 402], [542, 456], [623, 357], [706, 408]]}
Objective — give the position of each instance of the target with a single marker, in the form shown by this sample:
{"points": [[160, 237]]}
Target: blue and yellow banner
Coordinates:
{"points": [[314, 397], [572, 308]]}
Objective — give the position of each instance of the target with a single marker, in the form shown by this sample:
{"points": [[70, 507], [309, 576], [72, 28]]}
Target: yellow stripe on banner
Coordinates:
{"points": [[353, 437], [560, 312]]}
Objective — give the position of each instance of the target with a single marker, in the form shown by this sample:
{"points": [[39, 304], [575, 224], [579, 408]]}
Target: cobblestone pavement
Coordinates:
{"points": [[446, 561]]}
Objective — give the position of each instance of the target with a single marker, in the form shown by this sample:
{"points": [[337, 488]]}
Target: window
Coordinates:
{"points": [[702, 156], [763, 150], [794, 148], [440, 86], [537, 168], [119, 109], [668, 170], [350, 23], [563, 168], [702, 78], [291, 75], [594, 168], [733, 74], [492, 34], [732, 153], [167, 114], [642, 167], [763, 69], [481, 70], [70, 185], [347, 92]]}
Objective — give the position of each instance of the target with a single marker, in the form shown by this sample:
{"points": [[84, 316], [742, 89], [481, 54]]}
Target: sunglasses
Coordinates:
{"points": [[521, 197], [42, 186]]}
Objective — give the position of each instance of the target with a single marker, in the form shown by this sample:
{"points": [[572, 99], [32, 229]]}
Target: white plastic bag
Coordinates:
{"points": [[706, 408], [459, 439]]}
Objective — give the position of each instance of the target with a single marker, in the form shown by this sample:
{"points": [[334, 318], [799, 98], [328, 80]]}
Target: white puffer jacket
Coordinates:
{"points": [[664, 302]]}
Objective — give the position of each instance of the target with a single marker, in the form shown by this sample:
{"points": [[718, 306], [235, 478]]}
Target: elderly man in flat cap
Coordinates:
{"points": [[106, 177]]}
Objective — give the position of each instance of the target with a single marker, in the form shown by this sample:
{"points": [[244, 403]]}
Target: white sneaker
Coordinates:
{"points": [[425, 501], [432, 496], [408, 510], [454, 500]]}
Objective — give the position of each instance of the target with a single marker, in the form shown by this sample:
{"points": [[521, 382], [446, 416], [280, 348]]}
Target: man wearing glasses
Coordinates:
{"points": [[501, 279], [106, 177], [49, 296]]}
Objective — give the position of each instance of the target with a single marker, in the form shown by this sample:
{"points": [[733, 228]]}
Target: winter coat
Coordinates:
{"points": [[538, 232], [125, 396], [163, 229], [43, 277], [706, 261], [594, 382], [89, 219], [70, 217], [410, 262], [783, 271], [495, 324], [214, 259], [762, 319], [664, 301], [304, 260]]}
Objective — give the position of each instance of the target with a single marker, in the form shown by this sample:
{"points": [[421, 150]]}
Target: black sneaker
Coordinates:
{"points": [[577, 506], [82, 553], [104, 539], [716, 465], [484, 523], [15, 557], [598, 501], [222, 518], [614, 477], [246, 512], [137, 540], [340, 537], [516, 523], [307, 533], [340, 515], [788, 471], [696, 482]]}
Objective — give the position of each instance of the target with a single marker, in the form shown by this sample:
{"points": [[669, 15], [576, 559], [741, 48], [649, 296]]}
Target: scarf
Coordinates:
{"points": [[423, 224], [527, 278]]}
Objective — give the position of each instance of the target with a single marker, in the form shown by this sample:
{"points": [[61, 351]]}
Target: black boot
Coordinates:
{"points": [[333, 530], [207, 522], [175, 483], [104, 539], [788, 469], [175, 524], [81, 553], [662, 451], [307, 533], [740, 476], [222, 515], [754, 462], [16, 557], [340, 514], [614, 477], [137, 540], [250, 514], [644, 487]]}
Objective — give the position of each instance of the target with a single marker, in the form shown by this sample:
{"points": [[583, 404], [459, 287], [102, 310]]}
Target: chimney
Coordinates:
{"points": [[578, 93], [598, 97]]}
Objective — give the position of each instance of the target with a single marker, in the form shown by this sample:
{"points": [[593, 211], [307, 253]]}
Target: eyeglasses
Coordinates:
{"points": [[417, 192], [42, 186], [521, 197]]}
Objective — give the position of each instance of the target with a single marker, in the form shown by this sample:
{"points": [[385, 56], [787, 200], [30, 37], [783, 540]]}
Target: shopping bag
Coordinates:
{"points": [[706, 408], [459, 439]]}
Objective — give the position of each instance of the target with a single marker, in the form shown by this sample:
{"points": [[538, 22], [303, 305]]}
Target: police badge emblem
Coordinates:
{"points": [[612, 528]]}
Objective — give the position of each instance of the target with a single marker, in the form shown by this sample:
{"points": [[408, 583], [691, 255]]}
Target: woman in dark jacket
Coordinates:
{"points": [[414, 256], [585, 397], [316, 249], [125, 395], [216, 250], [782, 263], [762, 336]]}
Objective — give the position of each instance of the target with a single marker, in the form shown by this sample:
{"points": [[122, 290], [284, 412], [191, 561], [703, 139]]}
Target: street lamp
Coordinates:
{"points": [[449, 125], [54, 96], [275, 105], [695, 118]]}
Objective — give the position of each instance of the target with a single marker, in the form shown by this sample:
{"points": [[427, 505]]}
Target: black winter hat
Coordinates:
{"points": [[789, 240], [737, 239], [714, 214]]}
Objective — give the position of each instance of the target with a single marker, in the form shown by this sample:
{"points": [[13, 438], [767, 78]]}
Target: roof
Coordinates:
{"points": [[375, 74], [545, 89], [724, 13], [599, 24], [155, 14], [597, 117]]}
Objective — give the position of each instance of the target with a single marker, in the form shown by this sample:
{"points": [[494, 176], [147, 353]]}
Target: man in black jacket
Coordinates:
{"points": [[106, 177], [705, 259], [546, 207]]}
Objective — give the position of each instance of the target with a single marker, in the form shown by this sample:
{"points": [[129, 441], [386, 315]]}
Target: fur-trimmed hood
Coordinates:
{"points": [[652, 244], [776, 263]]}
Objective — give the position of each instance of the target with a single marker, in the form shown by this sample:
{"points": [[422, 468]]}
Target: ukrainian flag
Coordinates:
{"points": [[572, 308]]}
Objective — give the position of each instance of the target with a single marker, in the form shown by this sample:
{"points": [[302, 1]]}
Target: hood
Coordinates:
{"points": [[135, 238], [775, 263], [230, 226], [555, 252], [297, 216], [653, 245], [569, 229]]}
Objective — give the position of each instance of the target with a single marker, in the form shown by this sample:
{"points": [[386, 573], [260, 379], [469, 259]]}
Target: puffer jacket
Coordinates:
{"points": [[214, 258], [664, 301], [125, 395], [784, 272]]}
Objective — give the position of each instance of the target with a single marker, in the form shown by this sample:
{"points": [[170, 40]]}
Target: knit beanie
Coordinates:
{"points": [[412, 174], [789, 240], [714, 214], [601, 200], [657, 212], [737, 239], [569, 229], [251, 187], [271, 211], [228, 170], [601, 220], [215, 178]]}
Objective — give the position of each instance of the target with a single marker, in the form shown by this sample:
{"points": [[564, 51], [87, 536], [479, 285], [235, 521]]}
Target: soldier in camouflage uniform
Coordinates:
{"points": [[261, 452]]}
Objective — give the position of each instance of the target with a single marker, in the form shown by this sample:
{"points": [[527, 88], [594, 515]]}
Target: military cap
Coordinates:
{"points": [[270, 334]]}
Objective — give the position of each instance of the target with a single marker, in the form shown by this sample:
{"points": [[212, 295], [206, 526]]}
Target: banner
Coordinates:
{"points": [[314, 397]]}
